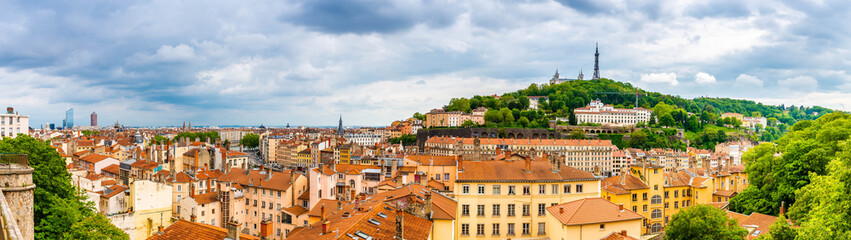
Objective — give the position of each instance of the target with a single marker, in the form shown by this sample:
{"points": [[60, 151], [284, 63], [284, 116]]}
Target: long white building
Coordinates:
{"points": [[597, 112], [12, 123], [363, 139]]}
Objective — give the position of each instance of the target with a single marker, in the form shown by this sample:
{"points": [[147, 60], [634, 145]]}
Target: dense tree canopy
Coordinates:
{"points": [[806, 151], [703, 222], [58, 206], [250, 140], [202, 136]]}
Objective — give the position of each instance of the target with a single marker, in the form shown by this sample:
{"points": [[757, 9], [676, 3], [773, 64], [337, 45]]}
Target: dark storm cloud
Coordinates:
{"points": [[370, 16]]}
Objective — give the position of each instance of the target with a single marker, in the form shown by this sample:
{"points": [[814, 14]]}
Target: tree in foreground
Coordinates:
{"points": [[95, 227], [703, 222], [250, 140], [57, 205]]}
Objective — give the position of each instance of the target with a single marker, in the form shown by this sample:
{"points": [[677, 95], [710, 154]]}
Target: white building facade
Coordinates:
{"points": [[12, 123], [597, 112]]}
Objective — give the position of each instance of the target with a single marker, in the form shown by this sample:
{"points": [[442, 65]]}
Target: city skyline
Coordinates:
{"points": [[279, 63]]}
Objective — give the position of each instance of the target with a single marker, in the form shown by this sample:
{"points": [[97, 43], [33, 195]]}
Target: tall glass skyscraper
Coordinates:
{"points": [[69, 119]]}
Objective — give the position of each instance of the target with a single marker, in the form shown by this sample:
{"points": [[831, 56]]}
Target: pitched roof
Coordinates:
{"points": [[622, 184], [206, 197], [111, 169], [353, 168], [94, 158], [618, 236], [183, 229], [114, 190], [494, 171], [296, 210], [443, 207], [591, 210], [378, 222]]}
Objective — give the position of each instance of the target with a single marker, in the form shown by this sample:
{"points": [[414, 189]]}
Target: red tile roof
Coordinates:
{"points": [[492, 171], [111, 169], [183, 229], [206, 197], [94, 158], [254, 178], [591, 210]]}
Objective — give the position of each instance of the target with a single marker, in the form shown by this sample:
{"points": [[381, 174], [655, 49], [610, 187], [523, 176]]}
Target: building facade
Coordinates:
{"points": [[599, 113], [12, 124]]}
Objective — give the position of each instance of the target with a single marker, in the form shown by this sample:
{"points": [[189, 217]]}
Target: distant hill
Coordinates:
{"points": [[511, 109]]}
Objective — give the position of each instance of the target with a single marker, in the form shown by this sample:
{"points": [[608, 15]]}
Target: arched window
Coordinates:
{"points": [[352, 183], [656, 227], [656, 199], [656, 214]]}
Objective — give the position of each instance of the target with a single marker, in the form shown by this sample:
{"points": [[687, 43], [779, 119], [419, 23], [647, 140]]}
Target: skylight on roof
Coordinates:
{"points": [[373, 221], [363, 235], [382, 215]]}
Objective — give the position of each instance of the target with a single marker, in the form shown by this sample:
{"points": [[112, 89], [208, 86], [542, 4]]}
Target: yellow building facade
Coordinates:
{"points": [[500, 199]]}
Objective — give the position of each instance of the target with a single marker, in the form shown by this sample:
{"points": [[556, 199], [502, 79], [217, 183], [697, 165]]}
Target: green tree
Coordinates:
{"points": [[703, 222], [250, 140], [468, 124], [523, 121], [667, 120], [458, 104], [507, 115], [493, 116], [95, 227], [419, 116], [57, 204]]}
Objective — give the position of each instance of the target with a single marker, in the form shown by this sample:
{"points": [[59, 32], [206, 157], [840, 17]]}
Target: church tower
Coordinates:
{"points": [[340, 127], [580, 77], [596, 62]]}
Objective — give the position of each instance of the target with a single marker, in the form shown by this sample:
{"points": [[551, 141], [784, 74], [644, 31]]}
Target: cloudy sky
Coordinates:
{"points": [[308, 62]]}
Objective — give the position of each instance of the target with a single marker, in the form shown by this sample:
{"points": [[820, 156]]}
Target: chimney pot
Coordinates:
{"points": [[620, 207], [160, 230], [560, 210]]}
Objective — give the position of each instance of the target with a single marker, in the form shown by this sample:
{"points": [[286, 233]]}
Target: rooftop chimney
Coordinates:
{"points": [[399, 224], [620, 207], [782, 209], [233, 230], [193, 218], [10, 110], [322, 212], [326, 227], [427, 207], [160, 230], [528, 164], [560, 210]]}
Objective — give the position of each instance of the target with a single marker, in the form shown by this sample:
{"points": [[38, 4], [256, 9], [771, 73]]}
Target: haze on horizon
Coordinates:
{"points": [[308, 62]]}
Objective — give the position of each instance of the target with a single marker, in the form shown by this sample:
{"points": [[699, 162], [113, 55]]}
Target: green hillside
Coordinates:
{"points": [[699, 117]]}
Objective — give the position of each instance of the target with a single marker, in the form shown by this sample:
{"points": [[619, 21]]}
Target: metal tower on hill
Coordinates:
{"points": [[596, 62]]}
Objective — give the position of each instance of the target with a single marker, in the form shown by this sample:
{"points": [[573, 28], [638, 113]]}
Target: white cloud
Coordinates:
{"points": [[669, 78], [177, 53], [748, 80], [799, 83], [704, 78]]}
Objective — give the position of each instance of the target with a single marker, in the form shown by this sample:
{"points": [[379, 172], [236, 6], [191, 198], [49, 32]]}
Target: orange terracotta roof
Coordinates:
{"points": [[427, 160], [618, 236], [183, 229], [296, 210], [114, 169], [115, 190], [443, 207], [622, 184], [144, 165], [359, 223], [591, 210], [206, 197], [328, 203], [724, 193], [94, 158], [493, 171], [325, 170], [181, 177]]}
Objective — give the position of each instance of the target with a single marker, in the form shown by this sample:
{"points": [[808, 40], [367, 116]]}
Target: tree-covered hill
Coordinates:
{"points": [[694, 115]]}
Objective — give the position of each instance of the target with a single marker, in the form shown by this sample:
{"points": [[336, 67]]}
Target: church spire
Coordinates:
{"points": [[596, 62], [340, 126]]}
